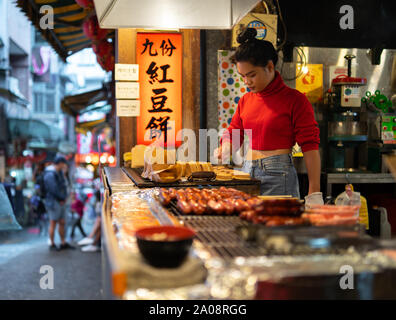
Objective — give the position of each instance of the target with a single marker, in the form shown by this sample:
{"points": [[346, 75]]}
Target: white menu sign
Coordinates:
{"points": [[128, 108], [126, 72], [127, 90]]}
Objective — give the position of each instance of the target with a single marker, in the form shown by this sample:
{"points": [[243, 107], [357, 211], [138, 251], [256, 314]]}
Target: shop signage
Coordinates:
{"points": [[127, 90], [310, 81], [126, 72], [128, 108], [265, 24], [159, 56]]}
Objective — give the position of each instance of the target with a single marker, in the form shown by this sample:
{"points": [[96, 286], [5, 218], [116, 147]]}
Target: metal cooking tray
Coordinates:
{"points": [[135, 175], [256, 232], [229, 236]]}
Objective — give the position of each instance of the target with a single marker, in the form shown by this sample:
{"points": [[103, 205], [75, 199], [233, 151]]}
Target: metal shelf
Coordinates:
{"points": [[355, 178], [349, 138], [360, 178]]}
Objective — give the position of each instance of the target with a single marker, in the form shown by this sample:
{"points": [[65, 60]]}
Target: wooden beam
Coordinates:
{"points": [[125, 126], [191, 80]]}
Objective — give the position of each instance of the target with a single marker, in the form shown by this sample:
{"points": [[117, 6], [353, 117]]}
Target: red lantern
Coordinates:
{"points": [[102, 48], [104, 54], [95, 47], [92, 30], [88, 4], [109, 63], [99, 59]]}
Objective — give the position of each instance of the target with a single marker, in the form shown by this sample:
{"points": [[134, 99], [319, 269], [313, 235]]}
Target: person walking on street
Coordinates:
{"points": [[55, 201], [77, 206]]}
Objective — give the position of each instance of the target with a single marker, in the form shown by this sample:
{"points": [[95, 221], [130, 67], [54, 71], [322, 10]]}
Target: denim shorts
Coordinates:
{"points": [[55, 210], [277, 175]]}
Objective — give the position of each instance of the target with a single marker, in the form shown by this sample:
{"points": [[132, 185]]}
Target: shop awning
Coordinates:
{"points": [[11, 96], [67, 36], [34, 130], [79, 103], [84, 127]]}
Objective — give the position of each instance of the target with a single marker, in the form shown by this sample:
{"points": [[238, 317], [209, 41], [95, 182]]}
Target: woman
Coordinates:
{"points": [[278, 116], [77, 206]]}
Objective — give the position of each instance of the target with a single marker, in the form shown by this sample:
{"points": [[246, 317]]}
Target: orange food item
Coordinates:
{"points": [[131, 226]]}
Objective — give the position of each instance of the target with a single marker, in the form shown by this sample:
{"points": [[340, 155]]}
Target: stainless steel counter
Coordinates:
{"points": [[241, 277], [117, 180], [355, 178]]}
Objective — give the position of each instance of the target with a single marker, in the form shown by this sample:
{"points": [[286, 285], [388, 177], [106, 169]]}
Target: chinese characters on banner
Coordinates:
{"points": [[159, 56]]}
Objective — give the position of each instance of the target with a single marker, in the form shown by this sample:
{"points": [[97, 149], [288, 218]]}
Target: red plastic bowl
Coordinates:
{"points": [[173, 232], [165, 246]]}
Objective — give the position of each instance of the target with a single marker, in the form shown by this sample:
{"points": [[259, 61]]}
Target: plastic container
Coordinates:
{"points": [[326, 215]]}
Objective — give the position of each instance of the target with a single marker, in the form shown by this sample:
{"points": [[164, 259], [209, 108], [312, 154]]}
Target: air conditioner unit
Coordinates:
{"points": [[13, 86]]}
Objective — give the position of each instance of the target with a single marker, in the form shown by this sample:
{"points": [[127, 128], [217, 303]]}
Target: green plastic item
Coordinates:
{"points": [[380, 101]]}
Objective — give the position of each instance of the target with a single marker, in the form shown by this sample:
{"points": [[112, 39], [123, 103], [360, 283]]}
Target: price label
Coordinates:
{"points": [[127, 90], [128, 108], [126, 72]]}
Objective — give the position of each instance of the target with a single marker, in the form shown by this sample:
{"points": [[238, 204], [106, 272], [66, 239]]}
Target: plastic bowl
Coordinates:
{"points": [[165, 246]]}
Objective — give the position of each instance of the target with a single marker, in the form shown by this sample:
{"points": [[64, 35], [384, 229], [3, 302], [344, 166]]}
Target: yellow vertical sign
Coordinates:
{"points": [[310, 81]]}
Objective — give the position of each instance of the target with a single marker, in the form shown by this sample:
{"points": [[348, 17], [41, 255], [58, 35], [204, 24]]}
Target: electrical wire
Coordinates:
{"points": [[302, 61], [283, 25], [265, 6], [300, 52]]}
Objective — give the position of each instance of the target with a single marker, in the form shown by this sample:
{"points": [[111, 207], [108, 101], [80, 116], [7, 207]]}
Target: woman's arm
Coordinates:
{"points": [[312, 163]]}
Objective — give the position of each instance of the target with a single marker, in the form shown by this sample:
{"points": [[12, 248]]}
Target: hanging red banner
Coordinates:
{"points": [[159, 56]]}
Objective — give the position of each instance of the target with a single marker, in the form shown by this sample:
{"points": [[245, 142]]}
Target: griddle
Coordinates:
{"points": [[228, 236], [135, 174]]}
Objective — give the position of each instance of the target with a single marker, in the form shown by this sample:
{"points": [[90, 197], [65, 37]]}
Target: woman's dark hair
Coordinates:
{"points": [[257, 52]]}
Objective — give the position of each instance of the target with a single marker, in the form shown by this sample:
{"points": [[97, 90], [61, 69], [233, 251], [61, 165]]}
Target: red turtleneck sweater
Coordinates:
{"points": [[278, 117]]}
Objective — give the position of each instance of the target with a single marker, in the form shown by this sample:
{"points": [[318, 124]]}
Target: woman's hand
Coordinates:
{"points": [[222, 153], [313, 199]]}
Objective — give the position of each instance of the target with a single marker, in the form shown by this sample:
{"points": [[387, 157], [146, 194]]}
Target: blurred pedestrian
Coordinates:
{"points": [[38, 209], [9, 186], [55, 201], [92, 242], [77, 207], [37, 200]]}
